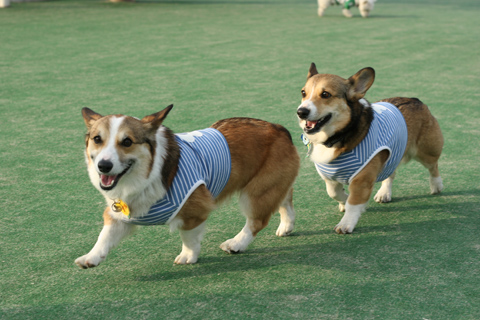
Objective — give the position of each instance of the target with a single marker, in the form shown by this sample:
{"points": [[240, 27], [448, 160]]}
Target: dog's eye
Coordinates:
{"points": [[97, 139], [304, 94], [325, 95], [127, 142]]}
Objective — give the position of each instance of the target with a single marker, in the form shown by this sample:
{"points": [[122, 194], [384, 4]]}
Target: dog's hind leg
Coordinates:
{"points": [[287, 216], [254, 224], [429, 149], [267, 191], [425, 139], [384, 194], [436, 183], [258, 201]]}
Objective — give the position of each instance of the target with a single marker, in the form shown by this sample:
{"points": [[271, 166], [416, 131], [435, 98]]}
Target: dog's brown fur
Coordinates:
{"points": [[348, 126]]}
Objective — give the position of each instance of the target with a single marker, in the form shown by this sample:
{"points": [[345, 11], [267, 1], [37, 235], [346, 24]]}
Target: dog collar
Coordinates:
{"points": [[120, 206], [333, 140], [308, 144], [329, 143]]}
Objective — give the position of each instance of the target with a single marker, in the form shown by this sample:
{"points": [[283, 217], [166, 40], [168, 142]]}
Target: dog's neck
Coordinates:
{"points": [[354, 132], [349, 137]]}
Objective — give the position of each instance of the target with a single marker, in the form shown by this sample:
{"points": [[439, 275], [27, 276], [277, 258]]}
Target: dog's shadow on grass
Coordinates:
{"points": [[441, 194], [346, 253], [339, 253], [357, 17], [327, 250]]}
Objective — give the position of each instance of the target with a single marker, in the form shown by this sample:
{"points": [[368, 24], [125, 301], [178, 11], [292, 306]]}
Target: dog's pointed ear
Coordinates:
{"points": [[312, 71], [359, 83], [154, 121], [90, 116]]}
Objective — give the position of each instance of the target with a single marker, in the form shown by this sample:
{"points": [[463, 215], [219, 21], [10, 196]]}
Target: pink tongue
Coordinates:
{"points": [[107, 180], [311, 124]]}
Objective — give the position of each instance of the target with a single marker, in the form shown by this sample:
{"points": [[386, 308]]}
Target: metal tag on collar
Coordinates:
{"points": [[305, 140], [120, 206], [308, 144]]}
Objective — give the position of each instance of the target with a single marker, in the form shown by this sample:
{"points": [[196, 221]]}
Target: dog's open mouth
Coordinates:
{"points": [[108, 182], [315, 126]]}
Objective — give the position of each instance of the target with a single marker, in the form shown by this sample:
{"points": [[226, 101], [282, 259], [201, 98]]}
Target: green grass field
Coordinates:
{"points": [[415, 258]]}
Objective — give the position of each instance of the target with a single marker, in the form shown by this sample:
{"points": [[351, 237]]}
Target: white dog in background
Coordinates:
{"points": [[365, 6]]}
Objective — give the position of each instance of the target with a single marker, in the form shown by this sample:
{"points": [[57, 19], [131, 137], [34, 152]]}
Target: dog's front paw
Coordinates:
{"points": [[383, 196], [232, 246], [350, 218], [348, 223], [88, 261], [284, 229], [186, 258], [344, 228], [341, 207]]}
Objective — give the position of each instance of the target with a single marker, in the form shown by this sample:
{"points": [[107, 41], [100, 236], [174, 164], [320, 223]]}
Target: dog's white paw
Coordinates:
{"points": [[347, 13], [344, 228], [321, 11], [350, 218], [233, 246], [383, 196], [89, 261], [186, 258], [436, 185], [365, 13], [284, 229], [341, 207]]}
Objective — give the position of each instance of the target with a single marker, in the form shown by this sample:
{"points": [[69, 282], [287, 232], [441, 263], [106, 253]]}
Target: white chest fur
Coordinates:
{"points": [[322, 154]]}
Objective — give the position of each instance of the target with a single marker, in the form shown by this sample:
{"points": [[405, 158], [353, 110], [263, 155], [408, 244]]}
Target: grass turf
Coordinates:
{"points": [[415, 258]]}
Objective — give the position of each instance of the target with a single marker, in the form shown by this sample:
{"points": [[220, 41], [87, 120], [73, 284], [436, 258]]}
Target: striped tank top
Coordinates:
{"points": [[388, 131], [204, 159]]}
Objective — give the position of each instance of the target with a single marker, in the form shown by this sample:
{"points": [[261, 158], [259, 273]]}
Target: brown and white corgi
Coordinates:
{"points": [[355, 143], [149, 175]]}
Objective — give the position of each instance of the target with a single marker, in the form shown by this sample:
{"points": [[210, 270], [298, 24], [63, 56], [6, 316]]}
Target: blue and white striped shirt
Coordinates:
{"points": [[204, 159], [388, 131]]}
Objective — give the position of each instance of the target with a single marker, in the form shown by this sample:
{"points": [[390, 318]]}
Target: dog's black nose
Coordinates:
{"points": [[105, 166], [303, 113]]}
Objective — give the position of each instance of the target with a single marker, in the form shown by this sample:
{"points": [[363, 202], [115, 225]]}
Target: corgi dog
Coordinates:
{"points": [[149, 176], [364, 6], [353, 142]]}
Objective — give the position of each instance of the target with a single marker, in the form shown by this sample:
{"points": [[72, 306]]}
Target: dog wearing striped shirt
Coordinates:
{"points": [[149, 176], [353, 142]]}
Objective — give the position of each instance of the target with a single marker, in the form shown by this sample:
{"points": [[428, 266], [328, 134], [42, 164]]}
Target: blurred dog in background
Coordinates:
{"points": [[365, 6]]}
